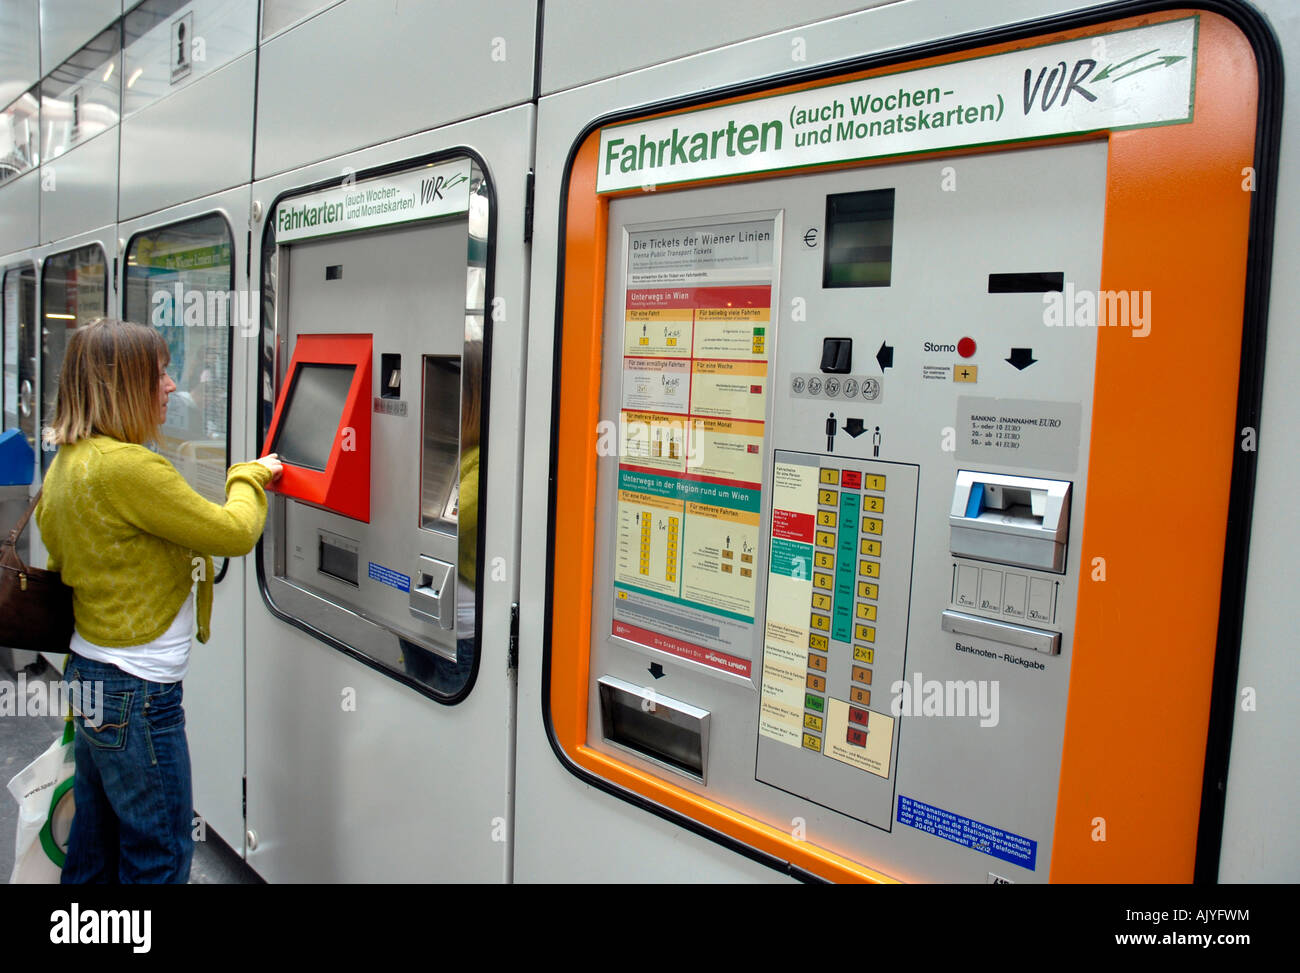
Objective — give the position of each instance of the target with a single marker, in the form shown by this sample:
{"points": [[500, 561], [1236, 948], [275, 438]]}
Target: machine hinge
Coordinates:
{"points": [[243, 802], [248, 257], [513, 658], [114, 273], [528, 207]]}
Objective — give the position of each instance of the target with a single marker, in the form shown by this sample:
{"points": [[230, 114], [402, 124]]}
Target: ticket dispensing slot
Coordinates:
{"points": [[665, 731], [1015, 520], [433, 592]]}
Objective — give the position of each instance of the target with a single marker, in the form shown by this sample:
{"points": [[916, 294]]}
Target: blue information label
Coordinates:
{"points": [[388, 576], [963, 831]]}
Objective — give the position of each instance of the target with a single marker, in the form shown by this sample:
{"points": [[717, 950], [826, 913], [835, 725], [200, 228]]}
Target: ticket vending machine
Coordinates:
{"points": [[379, 651], [910, 558], [379, 429]]}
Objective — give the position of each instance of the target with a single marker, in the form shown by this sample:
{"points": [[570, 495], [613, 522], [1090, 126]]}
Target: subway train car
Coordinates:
{"points": [[749, 442]]}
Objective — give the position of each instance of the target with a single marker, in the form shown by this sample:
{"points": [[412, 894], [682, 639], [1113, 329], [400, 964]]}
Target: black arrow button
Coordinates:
{"points": [[1022, 358], [885, 356], [854, 427], [656, 670]]}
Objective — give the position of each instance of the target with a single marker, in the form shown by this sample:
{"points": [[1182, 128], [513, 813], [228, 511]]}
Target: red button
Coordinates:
{"points": [[966, 347]]}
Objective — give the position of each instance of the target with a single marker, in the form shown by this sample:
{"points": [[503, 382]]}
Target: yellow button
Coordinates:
{"points": [[826, 518], [869, 569], [866, 611], [822, 559], [875, 505], [812, 722], [863, 654], [965, 373], [865, 633], [830, 476], [821, 622], [876, 481], [870, 525], [825, 538], [870, 547], [828, 498], [821, 601], [811, 742], [816, 641], [824, 581], [868, 590]]}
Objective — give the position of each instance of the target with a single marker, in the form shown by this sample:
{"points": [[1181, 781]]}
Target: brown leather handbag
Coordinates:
{"points": [[35, 605]]}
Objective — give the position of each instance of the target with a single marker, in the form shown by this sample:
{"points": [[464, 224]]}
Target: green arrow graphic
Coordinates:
{"points": [[1160, 62], [1105, 72]]}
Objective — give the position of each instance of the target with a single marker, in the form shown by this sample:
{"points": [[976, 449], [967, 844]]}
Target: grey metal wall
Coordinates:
{"points": [[367, 71], [20, 48]]}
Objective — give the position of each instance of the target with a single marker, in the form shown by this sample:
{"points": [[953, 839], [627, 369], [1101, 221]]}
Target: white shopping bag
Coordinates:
{"points": [[43, 790]]}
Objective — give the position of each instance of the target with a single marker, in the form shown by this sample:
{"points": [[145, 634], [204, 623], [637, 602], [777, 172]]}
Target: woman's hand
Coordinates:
{"points": [[272, 462]]}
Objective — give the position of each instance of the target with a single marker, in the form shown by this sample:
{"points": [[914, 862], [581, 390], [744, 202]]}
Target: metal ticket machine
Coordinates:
{"points": [[880, 563], [382, 659], [379, 429]]}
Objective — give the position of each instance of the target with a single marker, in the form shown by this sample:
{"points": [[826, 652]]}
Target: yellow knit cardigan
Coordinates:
{"points": [[130, 536]]}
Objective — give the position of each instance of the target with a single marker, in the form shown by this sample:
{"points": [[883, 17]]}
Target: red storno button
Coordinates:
{"points": [[966, 347]]}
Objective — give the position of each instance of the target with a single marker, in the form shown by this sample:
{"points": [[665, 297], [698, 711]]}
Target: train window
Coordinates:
{"points": [[19, 312], [180, 279], [74, 291]]}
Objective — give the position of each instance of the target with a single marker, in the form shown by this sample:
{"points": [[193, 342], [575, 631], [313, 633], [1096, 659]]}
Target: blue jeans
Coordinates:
{"points": [[135, 808]]}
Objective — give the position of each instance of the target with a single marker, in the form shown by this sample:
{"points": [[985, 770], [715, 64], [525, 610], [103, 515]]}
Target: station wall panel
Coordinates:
{"points": [[367, 71], [279, 14], [20, 202], [218, 32], [68, 24], [216, 115], [83, 189], [20, 48], [635, 35]]}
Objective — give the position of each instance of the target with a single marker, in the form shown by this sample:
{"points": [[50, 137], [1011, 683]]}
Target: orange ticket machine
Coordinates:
{"points": [[903, 452]]}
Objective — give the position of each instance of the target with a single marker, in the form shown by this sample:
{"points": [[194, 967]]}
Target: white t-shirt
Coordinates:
{"points": [[165, 659]]}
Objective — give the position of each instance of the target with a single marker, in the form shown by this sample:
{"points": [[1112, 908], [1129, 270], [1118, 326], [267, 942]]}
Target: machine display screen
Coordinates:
{"points": [[859, 239], [312, 411]]}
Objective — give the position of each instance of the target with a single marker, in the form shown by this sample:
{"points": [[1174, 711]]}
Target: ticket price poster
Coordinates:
{"points": [[697, 321]]}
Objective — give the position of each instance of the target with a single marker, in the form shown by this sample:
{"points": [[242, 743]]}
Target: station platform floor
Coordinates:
{"points": [[24, 737]]}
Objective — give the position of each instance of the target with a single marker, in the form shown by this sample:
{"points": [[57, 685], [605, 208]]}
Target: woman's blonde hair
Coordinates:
{"points": [[109, 383]]}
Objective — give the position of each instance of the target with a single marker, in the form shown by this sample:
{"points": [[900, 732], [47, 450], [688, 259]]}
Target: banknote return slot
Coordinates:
{"points": [[665, 731], [1018, 520]]}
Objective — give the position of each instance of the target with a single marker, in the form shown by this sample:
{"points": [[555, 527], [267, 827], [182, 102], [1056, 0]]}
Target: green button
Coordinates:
{"points": [[814, 702], [759, 331]]}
